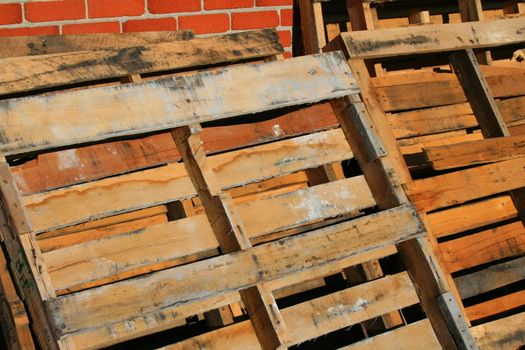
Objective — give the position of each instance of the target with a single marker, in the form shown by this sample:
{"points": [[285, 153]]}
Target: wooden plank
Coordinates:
{"points": [[129, 254], [461, 186], [306, 206], [432, 120], [478, 93], [13, 316], [51, 44], [71, 239], [417, 144], [490, 278], [505, 333], [114, 195], [68, 167], [333, 245], [313, 31], [229, 230], [416, 335], [441, 89], [433, 38], [319, 316], [110, 258], [496, 306], [471, 216], [111, 196], [171, 102], [29, 73], [483, 247], [475, 152]]}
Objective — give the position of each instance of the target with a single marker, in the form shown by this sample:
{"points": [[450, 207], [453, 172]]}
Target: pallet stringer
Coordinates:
{"points": [[230, 233]]}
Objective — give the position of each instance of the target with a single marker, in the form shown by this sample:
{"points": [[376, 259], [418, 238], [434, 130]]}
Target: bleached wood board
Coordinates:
{"points": [[20, 74], [170, 289], [97, 114], [433, 38]]}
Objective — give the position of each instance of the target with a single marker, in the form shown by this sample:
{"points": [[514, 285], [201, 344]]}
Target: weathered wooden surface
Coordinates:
{"points": [[52, 44], [114, 195], [496, 306], [491, 278], [67, 167], [505, 333], [333, 246], [461, 186], [476, 152], [433, 38], [483, 247], [171, 102], [471, 216], [317, 317], [19, 74]]}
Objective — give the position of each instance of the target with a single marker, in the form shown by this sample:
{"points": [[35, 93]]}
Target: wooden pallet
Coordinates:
{"points": [[465, 153], [323, 20], [90, 293]]}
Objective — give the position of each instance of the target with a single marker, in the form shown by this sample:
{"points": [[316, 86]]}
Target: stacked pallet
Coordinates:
{"points": [[323, 20], [460, 134], [150, 213]]}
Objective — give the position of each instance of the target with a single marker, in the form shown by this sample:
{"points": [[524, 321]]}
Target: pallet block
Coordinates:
{"points": [[465, 155], [91, 293]]}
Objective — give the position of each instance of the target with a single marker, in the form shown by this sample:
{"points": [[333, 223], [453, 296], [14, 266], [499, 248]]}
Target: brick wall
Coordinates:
{"points": [[204, 17]]}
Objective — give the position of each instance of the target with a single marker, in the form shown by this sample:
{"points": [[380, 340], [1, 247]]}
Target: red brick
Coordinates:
{"points": [[227, 4], [173, 6], [285, 37], [48, 30], [114, 8], [10, 13], [148, 25], [55, 10], [287, 17], [203, 24], [274, 2], [255, 20], [87, 28]]}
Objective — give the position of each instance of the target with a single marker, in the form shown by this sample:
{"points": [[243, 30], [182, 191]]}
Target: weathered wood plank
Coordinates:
{"points": [[110, 196], [13, 316], [496, 306], [305, 206], [433, 38], [416, 144], [491, 278], [69, 167], [63, 119], [144, 250], [471, 216], [418, 335], [441, 89], [320, 316], [476, 152], [461, 186], [28, 73], [309, 251], [432, 120], [51, 44], [505, 333], [483, 247]]}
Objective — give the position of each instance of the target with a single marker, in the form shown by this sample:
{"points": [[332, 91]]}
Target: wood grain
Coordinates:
{"points": [[20, 74], [97, 114]]}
